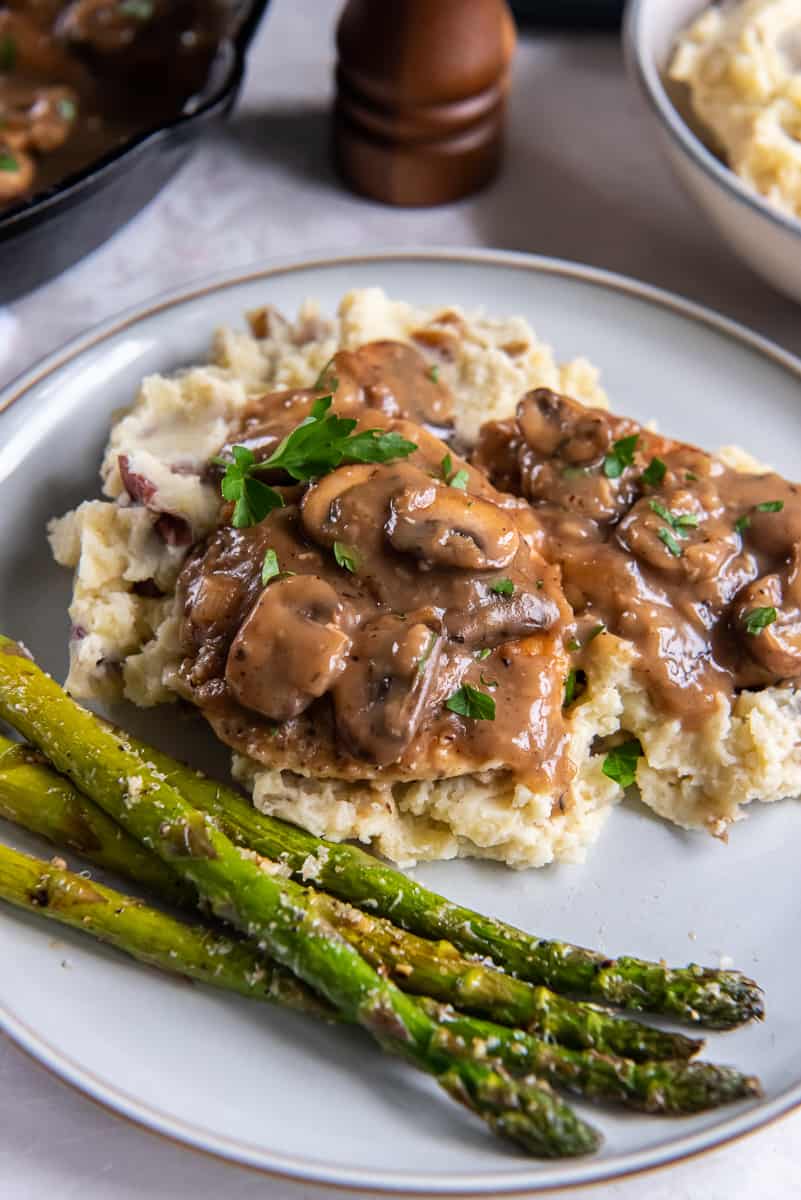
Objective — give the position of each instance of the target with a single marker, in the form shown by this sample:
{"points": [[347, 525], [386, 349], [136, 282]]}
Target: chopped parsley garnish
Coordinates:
{"points": [[270, 568], [574, 685], [433, 374], [8, 53], [502, 587], [620, 456], [318, 445], [759, 619], [620, 764], [677, 521], [483, 655], [690, 476], [7, 161], [424, 657], [667, 538], [347, 557], [654, 473], [454, 479], [574, 644], [601, 628], [767, 506], [141, 9], [488, 683], [574, 472], [67, 108], [470, 702]]}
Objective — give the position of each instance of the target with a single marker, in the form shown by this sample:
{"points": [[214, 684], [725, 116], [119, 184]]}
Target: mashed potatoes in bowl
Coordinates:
{"points": [[741, 63], [521, 648]]}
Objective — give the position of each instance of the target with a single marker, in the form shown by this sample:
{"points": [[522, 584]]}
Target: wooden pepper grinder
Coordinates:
{"points": [[421, 92]]}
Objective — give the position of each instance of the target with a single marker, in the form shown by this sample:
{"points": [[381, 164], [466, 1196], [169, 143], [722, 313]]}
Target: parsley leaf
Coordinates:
{"points": [[690, 476], [484, 654], [759, 619], [502, 587], [574, 472], [8, 162], [574, 685], [601, 628], [742, 523], [770, 506], [8, 53], [620, 764], [574, 644], [347, 557], [677, 521], [270, 568], [318, 445], [324, 441], [667, 538], [252, 499], [654, 473], [433, 374], [454, 479], [470, 702], [620, 456]]}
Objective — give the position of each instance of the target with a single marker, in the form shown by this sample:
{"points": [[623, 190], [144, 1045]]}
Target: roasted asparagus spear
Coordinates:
{"points": [[195, 951]]}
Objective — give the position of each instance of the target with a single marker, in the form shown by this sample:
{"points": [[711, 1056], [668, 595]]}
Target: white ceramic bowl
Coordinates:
{"points": [[766, 239]]}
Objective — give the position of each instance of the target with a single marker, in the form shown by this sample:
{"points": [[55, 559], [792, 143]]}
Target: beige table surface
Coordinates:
{"points": [[583, 180]]}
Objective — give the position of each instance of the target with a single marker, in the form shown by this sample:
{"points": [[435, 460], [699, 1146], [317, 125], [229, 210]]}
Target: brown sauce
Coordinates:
{"points": [[79, 79], [693, 562], [398, 587], [349, 671]]}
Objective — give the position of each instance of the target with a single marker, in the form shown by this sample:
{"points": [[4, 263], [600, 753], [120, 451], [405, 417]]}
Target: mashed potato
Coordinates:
{"points": [[125, 629], [742, 64]]}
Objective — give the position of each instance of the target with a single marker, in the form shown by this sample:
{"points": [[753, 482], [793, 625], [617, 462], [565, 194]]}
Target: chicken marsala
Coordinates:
{"points": [[404, 624]]}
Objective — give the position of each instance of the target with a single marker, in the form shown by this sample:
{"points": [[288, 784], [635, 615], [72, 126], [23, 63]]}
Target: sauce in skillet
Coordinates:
{"points": [[79, 79]]}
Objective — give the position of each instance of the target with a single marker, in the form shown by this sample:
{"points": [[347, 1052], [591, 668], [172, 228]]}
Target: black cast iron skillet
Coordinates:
{"points": [[56, 228]]}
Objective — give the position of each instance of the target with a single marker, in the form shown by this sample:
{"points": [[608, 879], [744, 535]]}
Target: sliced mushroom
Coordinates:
{"points": [[502, 618], [323, 507], [773, 644], [107, 27], [672, 543], [382, 699], [17, 173], [445, 527], [37, 118], [290, 649], [555, 425]]}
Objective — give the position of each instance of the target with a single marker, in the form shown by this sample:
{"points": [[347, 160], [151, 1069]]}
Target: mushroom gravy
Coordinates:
{"points": [[696, 564], [79, 79], [419, 616], [400, 588]]}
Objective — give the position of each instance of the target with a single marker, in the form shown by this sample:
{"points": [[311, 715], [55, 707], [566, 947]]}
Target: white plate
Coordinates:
{"points": [[278, 1092]]}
